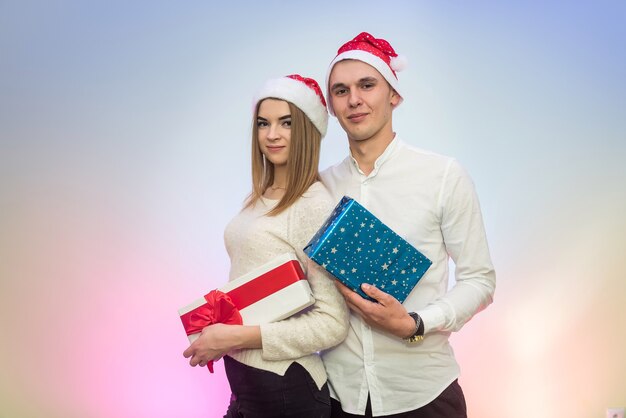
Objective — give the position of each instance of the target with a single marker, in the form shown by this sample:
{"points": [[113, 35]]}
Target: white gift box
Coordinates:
{"points": [[274, 291]]}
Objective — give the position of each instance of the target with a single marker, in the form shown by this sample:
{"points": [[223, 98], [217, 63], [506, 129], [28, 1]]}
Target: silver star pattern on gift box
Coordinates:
{"points": [[356, 247]]}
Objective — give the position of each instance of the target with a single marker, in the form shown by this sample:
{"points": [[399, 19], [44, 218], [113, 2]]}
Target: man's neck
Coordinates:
{"points": [[367, 152]]}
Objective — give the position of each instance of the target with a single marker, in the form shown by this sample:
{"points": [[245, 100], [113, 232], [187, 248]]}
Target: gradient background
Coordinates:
{"points": [[124, 138]]}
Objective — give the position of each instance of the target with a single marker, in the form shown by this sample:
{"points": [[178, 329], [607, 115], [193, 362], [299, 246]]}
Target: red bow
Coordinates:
{"points": [[219, 308]]}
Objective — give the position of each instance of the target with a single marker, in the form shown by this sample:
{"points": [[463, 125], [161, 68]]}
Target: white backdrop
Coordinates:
{"points": [[124, 151]]}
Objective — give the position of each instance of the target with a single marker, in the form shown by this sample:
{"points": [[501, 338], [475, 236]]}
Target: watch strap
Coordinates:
{"points": [[418, 334]]}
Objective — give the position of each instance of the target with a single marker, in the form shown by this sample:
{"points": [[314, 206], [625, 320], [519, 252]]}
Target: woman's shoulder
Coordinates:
{"points": [[317, 195], [315, 204], [310, 211]]}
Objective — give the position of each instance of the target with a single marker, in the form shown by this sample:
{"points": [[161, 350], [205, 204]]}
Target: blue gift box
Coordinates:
{"points": [[356, 247]]}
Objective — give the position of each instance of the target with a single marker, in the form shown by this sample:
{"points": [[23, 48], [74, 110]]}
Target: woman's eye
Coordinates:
{"points": [[261, 124], [287, 123]]}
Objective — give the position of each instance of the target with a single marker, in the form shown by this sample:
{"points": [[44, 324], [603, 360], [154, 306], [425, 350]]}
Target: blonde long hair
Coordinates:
{"points": [[302, 163]]}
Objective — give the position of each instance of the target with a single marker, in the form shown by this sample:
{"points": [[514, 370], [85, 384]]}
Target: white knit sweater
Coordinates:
{"points": [[252, 239]]}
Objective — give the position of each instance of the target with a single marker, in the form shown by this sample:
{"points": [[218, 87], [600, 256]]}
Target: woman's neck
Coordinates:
{"points": [[276, 190]]}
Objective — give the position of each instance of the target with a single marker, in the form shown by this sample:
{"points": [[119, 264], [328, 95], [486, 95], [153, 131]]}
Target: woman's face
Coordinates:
{"points": [[273, 124]]}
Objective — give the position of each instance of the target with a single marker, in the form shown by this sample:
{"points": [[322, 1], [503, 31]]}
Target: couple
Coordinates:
{"points": [[380, 359]]}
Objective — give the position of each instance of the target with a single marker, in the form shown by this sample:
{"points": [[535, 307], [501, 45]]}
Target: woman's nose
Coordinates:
{"points": [[273, 134]]}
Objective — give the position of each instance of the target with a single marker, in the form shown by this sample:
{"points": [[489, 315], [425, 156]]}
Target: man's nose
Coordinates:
{"points": [[355, 98]]}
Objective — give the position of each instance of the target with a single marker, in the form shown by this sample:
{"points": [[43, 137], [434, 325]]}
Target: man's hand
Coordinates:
{"points": [[388, 314]]}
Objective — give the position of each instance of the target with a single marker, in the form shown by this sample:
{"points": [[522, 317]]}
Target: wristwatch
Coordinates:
{"points": [[418, 334]]}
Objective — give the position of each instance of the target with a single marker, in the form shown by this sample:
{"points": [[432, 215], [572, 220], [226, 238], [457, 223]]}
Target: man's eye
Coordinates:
{"points": [[368, 86], [340, 92]]}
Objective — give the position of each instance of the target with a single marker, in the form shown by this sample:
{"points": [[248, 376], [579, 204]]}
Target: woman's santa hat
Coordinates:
{"points": [[303, 92], [376, 52]]}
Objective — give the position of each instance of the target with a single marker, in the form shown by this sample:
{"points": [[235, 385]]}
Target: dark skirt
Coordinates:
{"points": [[258, 393]]}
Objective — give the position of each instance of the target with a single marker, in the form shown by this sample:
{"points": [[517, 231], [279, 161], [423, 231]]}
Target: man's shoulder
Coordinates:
{"points": [[340, 168], [336, 177], [431, 164], [415, 153]]}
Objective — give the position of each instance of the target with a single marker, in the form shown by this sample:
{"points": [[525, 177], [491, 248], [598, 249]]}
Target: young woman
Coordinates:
{"points": [[274, 369]]}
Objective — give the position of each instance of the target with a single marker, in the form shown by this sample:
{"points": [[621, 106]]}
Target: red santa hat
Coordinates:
{"points": [[303, 92], [376, 52]]}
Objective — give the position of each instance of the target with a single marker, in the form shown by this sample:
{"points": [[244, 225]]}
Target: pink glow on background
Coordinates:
{"points": [[124, 132]]}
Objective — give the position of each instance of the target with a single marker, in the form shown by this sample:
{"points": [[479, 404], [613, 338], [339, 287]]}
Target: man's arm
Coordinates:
{"points": [[465, 241]]}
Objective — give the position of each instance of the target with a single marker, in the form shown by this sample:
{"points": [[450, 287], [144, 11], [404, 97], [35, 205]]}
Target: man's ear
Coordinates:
{"points": [[395, 98]]}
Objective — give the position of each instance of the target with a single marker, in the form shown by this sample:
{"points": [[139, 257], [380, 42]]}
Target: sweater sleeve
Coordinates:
{"points": [[466, 242], [325, 323]]}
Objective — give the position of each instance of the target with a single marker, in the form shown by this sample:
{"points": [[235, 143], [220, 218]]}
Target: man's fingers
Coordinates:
{"points": [[361, 306], [351, 297], [374, 292]]}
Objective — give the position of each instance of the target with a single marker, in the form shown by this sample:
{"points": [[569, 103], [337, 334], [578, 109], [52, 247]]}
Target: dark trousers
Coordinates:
{"points": [[261, 394], [450, 404]]}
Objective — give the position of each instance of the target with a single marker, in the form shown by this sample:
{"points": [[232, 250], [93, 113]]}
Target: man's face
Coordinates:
{"points": [[362, 100]]}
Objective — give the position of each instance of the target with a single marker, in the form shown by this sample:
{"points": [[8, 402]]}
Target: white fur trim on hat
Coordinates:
{"points": [[356, 54], [299, 94]]}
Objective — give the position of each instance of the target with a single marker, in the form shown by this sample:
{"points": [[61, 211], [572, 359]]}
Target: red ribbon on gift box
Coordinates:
{"points": [[219, 308], [224, 308], [266, 284]]}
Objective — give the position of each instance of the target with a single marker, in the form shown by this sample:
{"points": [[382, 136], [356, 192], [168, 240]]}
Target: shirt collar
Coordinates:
{"points": [[389, 151]]}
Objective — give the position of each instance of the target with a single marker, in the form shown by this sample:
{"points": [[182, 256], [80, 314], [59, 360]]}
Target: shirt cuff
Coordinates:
{"points": [[433, 318]]}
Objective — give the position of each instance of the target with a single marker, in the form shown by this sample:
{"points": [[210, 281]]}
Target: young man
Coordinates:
{"points": [[396, 360]]}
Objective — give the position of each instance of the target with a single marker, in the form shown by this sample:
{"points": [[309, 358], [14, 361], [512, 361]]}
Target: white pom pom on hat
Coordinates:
{"points": [[399, 63], [303, 92]]}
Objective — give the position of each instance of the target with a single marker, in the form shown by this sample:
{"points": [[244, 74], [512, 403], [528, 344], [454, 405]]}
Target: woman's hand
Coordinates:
{"points": [[217, 340]]}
